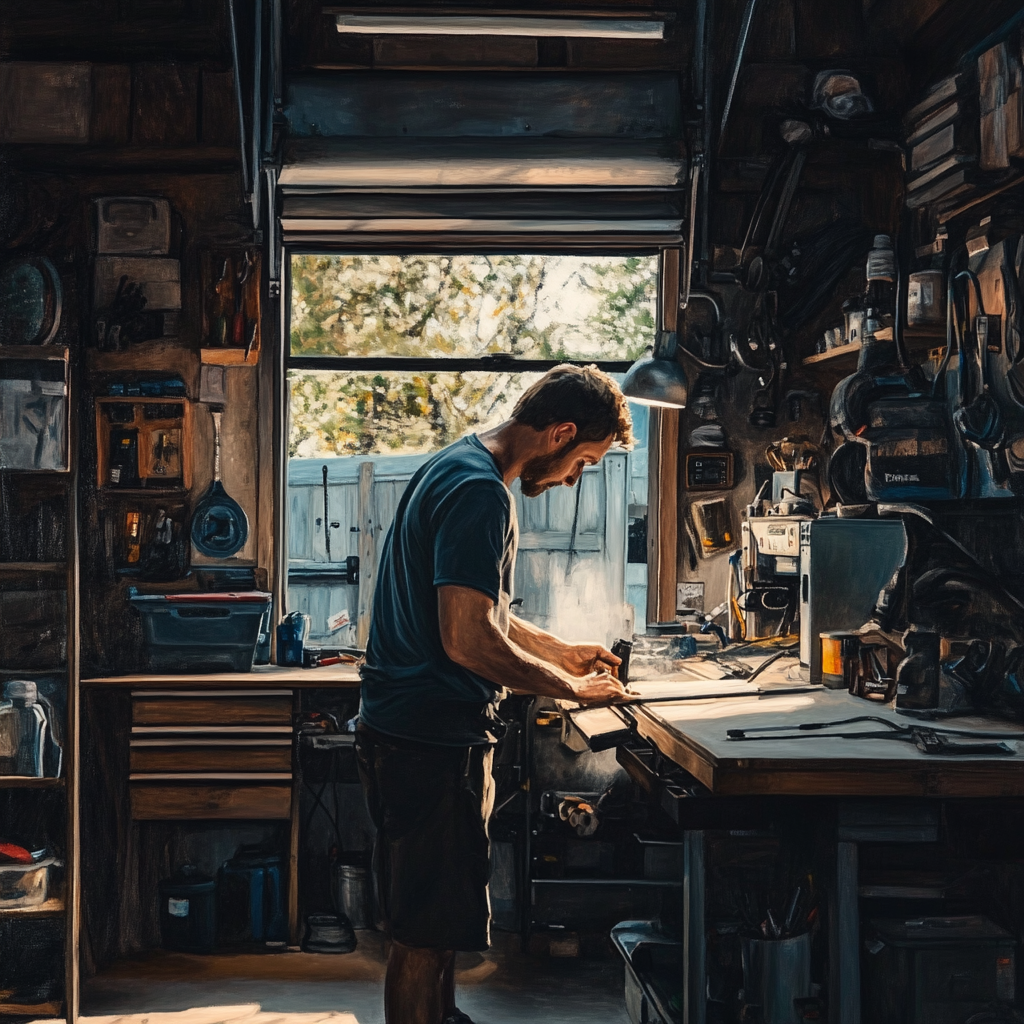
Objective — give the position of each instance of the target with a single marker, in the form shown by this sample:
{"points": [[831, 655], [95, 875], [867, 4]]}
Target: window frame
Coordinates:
{"points": [[663, 443]]}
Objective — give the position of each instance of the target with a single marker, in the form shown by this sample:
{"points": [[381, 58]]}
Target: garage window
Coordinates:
{"points": [[392, 356]]}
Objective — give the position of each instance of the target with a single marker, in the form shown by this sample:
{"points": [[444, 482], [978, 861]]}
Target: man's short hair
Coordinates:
{"points": [[583, 395]]}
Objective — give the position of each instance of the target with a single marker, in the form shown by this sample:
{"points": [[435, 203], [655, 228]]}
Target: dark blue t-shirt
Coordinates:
{"points": [[456, 524]]}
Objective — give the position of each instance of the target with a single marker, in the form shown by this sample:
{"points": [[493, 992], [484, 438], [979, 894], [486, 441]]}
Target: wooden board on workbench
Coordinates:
{"points": [[694, 735]]}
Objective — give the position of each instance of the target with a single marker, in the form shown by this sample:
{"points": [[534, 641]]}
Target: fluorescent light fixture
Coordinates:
{"points": [[656, 378], [475, 25]]}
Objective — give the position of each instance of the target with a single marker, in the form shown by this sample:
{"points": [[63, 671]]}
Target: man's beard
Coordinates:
{"points": [[536, 469]]}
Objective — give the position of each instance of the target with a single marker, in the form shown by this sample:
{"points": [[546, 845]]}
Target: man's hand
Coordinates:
{"points": [[584, 659], [597, 688]]}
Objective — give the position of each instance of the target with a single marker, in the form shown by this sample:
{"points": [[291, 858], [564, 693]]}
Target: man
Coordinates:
{"points": [[443, 645]]}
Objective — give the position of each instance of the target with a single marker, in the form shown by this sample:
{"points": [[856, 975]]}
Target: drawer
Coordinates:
{"points": [[161, 755], [185, 708], [181, 802]]}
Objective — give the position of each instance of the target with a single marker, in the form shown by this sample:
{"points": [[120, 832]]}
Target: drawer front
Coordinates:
{"points": [[224, 757], [201, 710], [163, 802]]}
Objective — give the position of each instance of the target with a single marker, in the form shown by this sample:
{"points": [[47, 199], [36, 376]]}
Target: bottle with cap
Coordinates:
{"points": [[24, 730], [881, 279]]}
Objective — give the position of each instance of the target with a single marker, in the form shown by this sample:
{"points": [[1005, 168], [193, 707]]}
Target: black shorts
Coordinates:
{"points": [[430, 805]]}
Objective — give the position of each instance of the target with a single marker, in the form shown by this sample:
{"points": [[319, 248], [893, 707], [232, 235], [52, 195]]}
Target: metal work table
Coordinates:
{"points": [[693, 735]]}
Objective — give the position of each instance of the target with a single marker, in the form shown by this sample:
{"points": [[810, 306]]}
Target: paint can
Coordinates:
{"points": [[926, 298], [839, 650]]}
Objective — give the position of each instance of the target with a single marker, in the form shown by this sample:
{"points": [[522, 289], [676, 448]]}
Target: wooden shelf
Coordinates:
{"points": [[51, 1009], [32, 567], [166, 355], [229, 356], [832, 353], [53, 907], [38, 352], [27, 782], [175, 428]]}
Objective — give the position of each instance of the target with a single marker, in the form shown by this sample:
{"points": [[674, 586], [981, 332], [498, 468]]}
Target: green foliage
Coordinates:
{"points": [[528, 306]]}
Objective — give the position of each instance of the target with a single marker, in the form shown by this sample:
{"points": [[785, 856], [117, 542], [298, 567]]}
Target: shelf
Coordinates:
{"points": [[51, 1009], [832, 353], [26, 782], [229, 356], [164, 355], [53, 907], [39, 352], [37, 567]]}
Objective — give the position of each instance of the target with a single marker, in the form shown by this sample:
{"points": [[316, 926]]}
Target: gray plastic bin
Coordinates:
{"points": [[201, 632]]}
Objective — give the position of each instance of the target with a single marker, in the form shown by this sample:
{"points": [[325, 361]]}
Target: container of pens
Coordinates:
{"points": [[777, 971], [776, 959]]}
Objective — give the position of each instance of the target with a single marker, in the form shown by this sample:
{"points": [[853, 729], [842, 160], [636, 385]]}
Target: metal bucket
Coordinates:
{"points": [[352, 892], [775, 972]]}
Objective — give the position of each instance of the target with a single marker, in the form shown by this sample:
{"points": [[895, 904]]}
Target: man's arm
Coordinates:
{"points": [[576, 659], [472, 640]]}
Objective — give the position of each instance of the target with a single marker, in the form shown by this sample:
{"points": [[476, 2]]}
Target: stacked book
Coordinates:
{"points": [[942, 142], [1001, 108]]}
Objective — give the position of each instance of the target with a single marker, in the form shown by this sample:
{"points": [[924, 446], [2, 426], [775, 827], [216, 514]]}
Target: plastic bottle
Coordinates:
{"points": [[24, 730]]}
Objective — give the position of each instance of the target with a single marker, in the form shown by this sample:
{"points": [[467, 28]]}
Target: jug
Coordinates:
{"points": [[27, 746]]}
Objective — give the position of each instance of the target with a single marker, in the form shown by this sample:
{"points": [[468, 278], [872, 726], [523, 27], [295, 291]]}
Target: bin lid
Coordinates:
{"points": [[187, 879]]}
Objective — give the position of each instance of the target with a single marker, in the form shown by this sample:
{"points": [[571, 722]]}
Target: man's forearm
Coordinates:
{"points": [[535, 640], [489, 653]]}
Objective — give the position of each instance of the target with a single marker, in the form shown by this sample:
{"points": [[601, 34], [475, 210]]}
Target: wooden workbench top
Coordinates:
{"points": [[262, 677], [694, 735]]}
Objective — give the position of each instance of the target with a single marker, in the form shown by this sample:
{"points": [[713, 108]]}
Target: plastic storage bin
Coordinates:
{"points": [[25, 885], [188, 912], [201, 632]]}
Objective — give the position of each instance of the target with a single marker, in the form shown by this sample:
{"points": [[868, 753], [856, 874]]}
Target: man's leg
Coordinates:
{"points": [[414, 988], [448, 989]]}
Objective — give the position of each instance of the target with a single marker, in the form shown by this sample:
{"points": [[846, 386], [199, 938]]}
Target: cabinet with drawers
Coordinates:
{"points": [[209, 754]]}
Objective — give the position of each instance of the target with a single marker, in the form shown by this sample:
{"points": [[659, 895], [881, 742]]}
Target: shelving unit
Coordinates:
{"points": [[45, 559]]}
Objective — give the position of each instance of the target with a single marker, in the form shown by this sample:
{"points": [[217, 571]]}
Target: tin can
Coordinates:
{"points": [[926, 300], [838, 652]]}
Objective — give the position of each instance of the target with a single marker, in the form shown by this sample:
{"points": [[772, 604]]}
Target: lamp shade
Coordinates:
{"points": [[656, 378]]}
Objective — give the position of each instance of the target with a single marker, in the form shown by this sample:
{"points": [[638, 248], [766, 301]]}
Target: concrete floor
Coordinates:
{"points": [[501, 986]]}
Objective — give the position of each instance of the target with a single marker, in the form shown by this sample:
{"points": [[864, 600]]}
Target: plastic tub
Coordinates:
{"points": [[25, 885], [201, 632]]}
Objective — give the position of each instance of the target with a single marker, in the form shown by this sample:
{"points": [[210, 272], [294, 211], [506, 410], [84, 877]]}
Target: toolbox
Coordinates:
{"points": [[201, 632], [936, 970]]}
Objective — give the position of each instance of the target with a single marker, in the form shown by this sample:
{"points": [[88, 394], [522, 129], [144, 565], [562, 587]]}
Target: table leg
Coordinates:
{"points": [[694, 930], [845, 939], [293, 837]]}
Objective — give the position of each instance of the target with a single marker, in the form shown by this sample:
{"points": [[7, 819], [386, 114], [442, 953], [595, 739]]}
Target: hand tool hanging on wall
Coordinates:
{"points": [[219, 524]]}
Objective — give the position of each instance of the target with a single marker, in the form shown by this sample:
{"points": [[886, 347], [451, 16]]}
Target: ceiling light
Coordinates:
{"points": [[474, 25]]}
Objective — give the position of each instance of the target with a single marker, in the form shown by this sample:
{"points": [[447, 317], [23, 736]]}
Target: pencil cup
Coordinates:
{"points": [[775, 972]]}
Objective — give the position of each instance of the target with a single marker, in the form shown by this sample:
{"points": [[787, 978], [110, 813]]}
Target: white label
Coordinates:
{"points": [[177, 908], [337, 620], [690, 595], [115, 474]]}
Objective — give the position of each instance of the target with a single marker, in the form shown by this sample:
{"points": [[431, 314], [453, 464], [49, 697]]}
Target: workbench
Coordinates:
{"points": [[219, 746], [879, 786]]}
